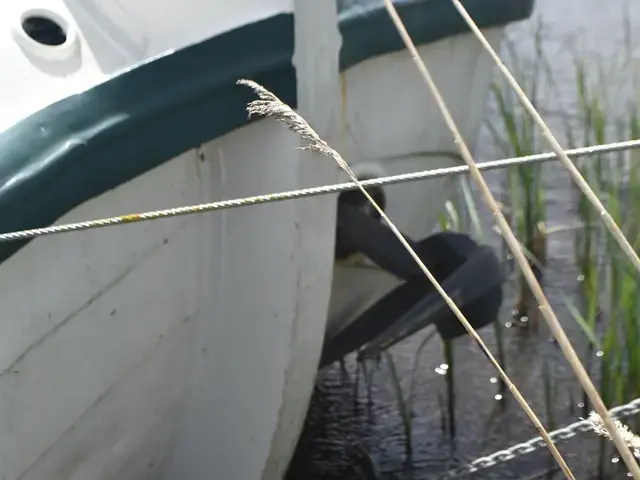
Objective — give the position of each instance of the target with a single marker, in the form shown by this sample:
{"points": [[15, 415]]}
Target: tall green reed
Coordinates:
{"points": [[515, 134], [605, 99], [450, 222], [609, 310]]}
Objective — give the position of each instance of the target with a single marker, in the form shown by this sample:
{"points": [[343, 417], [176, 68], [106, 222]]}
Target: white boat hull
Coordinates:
{"points": [[405, 130], [98, 357], [188, 347], [97, 366]]}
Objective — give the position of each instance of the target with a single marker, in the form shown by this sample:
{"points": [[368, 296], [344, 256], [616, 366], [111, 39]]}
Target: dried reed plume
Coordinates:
{"points": [[511, 240], [270, 105], [630, 438]]}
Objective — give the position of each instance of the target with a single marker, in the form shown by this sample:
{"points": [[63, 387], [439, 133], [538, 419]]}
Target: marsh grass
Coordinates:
{"points": [[608, 313], [515, 134], [473, 223], [608, 310], [451, 222], [611, 305]]}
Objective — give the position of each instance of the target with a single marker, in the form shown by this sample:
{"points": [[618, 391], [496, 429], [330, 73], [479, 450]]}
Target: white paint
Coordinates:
{"points": [[316, 59], [104, 37], [123, 33], [186, 348], [235, 405], [79, 368], [390, 113], [65, 51], [36, 75], [93, 365]]}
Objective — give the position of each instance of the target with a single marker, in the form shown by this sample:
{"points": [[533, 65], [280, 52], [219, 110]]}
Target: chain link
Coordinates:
{"points": [[309, 192], [530, 446]]}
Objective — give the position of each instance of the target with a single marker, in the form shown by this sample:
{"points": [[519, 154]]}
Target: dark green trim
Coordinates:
{"points": [[368, 31], [86, 144]]}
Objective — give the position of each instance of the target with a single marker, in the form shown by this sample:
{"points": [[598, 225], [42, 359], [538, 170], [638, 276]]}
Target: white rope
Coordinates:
{"points": [[309, 192]]}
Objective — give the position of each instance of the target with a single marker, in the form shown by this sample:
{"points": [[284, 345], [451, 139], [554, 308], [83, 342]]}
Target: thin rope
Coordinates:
{"points": [[310, 192]]}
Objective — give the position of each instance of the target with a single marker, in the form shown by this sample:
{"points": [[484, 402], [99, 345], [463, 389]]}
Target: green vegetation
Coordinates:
{"points": [[601, 108], [608, 308], [608, 312]]}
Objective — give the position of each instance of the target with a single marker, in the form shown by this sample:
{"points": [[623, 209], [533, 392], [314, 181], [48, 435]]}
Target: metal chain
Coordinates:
{"points": [[309, 192], [560, 435]]}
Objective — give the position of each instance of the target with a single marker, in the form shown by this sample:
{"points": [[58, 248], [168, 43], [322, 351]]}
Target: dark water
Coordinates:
{"points": [[354, 429]]}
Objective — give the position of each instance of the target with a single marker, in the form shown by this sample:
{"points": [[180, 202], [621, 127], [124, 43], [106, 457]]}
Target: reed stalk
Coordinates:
{"points": [[545, 307], [472, 213], [452, 224], [516, 136], [608, 283], [556, 147], [270, 105]]}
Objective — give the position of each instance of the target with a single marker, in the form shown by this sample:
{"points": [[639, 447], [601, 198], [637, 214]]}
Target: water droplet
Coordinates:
{"points": [[599, 353], [581, 278], [508, 325], [629, 474], [493, 380], [498, 396], [440, 371], [615, 460], [444, 366], [580, 404], [514, 312], [524, 319], [509, 257]]}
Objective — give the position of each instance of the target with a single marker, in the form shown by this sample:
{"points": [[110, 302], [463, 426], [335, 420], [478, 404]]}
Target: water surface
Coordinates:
{"points": [[356, 432]]}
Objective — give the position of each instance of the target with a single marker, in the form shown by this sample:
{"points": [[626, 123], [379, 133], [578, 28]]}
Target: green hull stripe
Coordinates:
{"points": [[86, 144]]}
